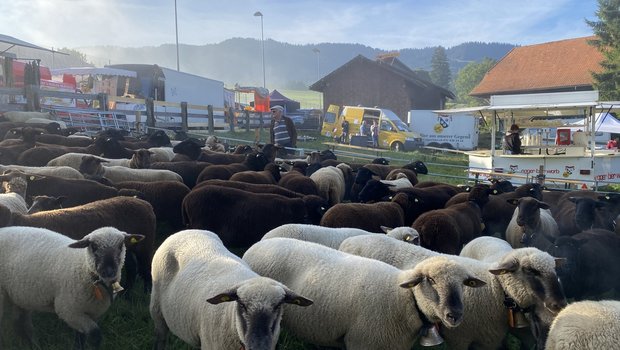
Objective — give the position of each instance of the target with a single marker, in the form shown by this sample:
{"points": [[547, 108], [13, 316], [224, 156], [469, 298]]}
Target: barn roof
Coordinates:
{"points": [[391, 64], [557, 65]]}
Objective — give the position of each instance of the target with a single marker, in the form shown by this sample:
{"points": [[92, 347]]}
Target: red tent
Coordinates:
{"points": [[276, 98]]}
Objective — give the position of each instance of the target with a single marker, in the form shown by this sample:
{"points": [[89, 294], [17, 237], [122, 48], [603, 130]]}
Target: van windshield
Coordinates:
{"points": [[396, 120]]}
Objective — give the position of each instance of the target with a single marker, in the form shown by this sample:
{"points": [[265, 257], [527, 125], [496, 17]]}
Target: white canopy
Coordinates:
{"points": [[95, 71], [605, 122]]}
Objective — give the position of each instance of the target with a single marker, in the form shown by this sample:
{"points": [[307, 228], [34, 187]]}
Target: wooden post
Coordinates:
{"points": [[246, 114], [103, 101], [541, 175], [184, 122], [231, 119], [150, 113], [211, 124]]}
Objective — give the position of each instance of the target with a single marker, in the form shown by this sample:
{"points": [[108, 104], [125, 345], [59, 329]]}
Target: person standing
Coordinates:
{"points": [[374, 134], [345, 131], [512, 140], [282, 131], [364, 128]]}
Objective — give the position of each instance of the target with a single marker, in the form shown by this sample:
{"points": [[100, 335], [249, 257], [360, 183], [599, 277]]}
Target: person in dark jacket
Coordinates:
{"points": [[282, 131], [512, 140]]}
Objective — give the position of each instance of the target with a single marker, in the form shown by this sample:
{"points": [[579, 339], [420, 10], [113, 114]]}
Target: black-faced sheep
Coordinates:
{"points": [[250, 187], [253, 161], [125, 213], [296, 180], [192, 269], [592, 263], [532, 224], [270, 175], [76, 192], [577, 211], [241, 218], [525, 277], [447, 230], [189, 170], [166, 197], [337, 282], [41, 270], [369, 217]]}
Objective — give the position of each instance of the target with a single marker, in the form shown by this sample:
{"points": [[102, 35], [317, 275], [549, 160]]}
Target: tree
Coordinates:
{"points": [[607, 30], [440, 72], [468, 77]]}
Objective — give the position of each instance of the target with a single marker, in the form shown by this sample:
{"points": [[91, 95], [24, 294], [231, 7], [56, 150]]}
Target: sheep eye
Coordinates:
{"points": [[531, 271], [431, 280]]}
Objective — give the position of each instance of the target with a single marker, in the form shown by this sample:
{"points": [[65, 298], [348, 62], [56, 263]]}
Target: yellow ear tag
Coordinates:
{"points": [[133, 240], [607, 197], [31, 178]]}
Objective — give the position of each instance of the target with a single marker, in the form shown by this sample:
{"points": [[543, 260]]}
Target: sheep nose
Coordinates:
{"points": [[454, 317], [556, 306]]}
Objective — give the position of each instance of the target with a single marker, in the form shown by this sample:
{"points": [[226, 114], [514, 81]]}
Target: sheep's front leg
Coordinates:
{"points": [[22, 323], [86, 329]]}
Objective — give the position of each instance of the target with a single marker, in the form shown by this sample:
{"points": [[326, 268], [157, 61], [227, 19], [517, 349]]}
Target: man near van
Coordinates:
{"points": [[345, 130], [282, 131]]}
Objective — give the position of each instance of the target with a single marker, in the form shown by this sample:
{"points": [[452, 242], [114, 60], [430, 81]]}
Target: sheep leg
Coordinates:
{"points": [[161, 328], [22, 323], [93, 338]]}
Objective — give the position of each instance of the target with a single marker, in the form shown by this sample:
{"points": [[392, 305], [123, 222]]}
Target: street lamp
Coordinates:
{"points": [[262, 40], [176, 31], [318, 63]]}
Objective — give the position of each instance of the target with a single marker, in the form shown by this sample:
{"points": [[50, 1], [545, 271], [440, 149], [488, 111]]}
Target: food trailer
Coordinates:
{"points": [[554, 154]]}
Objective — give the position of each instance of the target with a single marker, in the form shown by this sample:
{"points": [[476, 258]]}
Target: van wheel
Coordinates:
{"points": [[398, 147]]}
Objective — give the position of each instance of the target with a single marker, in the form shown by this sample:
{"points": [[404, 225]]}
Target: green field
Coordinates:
{"points": [[306, 98]]}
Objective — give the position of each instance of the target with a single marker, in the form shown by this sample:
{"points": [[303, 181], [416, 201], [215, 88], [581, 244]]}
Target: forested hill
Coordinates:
{"points": [[287, 66]]}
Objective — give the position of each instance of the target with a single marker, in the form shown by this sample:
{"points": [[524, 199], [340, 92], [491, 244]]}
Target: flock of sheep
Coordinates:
{"points": [[344, 255]]}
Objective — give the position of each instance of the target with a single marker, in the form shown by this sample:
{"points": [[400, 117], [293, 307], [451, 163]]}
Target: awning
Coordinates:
{"points": [[16, 42], [463, 110], [95, 71]]}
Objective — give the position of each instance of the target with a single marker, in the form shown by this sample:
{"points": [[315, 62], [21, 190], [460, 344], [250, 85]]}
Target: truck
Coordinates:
{"points": [[169, 85], [452, 129], [394, 134]]}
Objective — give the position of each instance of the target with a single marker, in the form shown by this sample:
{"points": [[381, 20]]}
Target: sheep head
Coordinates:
{"points": [[437, 284]]}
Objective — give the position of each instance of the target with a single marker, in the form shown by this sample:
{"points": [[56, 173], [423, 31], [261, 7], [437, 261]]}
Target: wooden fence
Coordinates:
{"points": [[101, 111]]}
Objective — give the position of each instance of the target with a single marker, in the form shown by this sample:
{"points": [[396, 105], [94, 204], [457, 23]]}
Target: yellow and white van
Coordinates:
{"points": [[394, 134]]}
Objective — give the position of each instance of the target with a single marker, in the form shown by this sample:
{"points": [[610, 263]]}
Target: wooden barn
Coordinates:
{"points": [[385, 82], [557, 66]]}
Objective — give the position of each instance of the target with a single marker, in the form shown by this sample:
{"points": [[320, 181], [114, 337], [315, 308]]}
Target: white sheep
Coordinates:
{"points": [[38, 120], [118, 174], [586, 325], [191, 269], [400, 182], [332, 237], [520, 274], [213, 144], [14, 188], [361, 303], [74, 160], [21, 116], [161, 154], [65, 172], [42, 270], [331, 183]]}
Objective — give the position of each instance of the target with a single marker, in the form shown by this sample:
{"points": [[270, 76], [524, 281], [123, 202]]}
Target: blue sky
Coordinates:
{"points": [[387, 24]]}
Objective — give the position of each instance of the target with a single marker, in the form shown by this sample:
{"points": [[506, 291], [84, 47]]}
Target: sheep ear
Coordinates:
{"points": [[223, 298], [543, 205], [82, 243], [505, 267], [386, 229], [474, 282], [412, 282], [133, 239], [291, 297]]}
